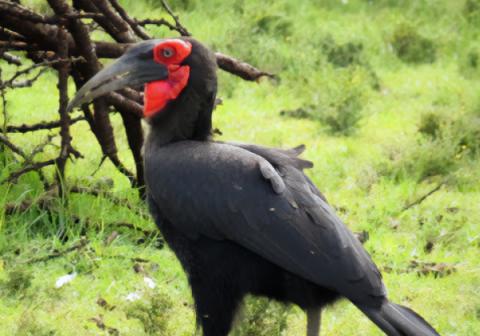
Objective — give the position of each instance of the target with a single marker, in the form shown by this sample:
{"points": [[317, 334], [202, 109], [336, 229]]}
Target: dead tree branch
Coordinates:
{"points": [[10, 59], [63, 42], [239, 68], [65, 145], [44, 125], [133, 24], [179, 27], [37, 166], [28, 159]]}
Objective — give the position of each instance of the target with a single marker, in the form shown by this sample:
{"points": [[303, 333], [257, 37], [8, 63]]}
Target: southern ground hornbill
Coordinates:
{"points": [[240, 218]]}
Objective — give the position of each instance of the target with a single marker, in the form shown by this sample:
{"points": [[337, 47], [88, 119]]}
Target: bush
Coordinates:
{"points": [[471, 11], [430, 124], [19, 280], [153, 312], [447, 143], [348, 54], [469, 63], [343, 117], [338, 106], [411, 47], [262, 317], [342, 55], [275, 25], [28, 325]]}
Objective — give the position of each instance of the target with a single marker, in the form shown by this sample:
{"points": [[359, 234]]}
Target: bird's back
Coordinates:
{"points": [[260, 198]]}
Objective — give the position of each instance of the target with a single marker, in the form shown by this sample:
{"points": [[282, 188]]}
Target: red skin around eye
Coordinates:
{"points": [[181, 50], [157, 94]]}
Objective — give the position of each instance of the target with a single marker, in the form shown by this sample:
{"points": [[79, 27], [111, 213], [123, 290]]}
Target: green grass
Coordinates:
{"points": [[372, 157]]}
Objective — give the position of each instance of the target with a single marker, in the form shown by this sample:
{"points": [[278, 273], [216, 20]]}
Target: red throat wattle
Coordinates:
{"points": [[157, 94]]}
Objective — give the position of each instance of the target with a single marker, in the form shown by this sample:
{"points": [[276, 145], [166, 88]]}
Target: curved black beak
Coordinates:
{"points": [[134, 68]]}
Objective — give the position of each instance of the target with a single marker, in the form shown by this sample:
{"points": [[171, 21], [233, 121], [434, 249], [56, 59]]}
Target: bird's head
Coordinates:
{"points": [[170, 69]]}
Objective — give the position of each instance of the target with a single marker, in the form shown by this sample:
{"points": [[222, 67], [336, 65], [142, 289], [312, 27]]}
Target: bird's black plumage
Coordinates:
{"points": [[246, 219], [225, 192]]}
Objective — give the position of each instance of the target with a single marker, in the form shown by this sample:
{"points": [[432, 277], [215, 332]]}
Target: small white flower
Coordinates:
{"points": [[133, 296], [64, 279], [149, 282]]}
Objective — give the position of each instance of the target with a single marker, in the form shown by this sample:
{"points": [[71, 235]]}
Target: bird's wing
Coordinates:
{"points": [[270, 207]]}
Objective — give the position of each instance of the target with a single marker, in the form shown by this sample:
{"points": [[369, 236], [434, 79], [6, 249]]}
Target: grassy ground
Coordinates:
{"points": [[385, 96]]}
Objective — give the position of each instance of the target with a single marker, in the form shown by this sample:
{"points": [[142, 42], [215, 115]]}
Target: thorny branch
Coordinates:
{"points": [[62, 41], [44, 125], [65, 146], [28, 159], [179, 27]]}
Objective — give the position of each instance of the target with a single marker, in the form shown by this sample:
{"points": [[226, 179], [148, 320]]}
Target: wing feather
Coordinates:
{"points": [[260, 199]]}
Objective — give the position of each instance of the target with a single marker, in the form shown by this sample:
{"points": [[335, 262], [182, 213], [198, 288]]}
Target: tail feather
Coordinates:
{"points": [[397, 320]]}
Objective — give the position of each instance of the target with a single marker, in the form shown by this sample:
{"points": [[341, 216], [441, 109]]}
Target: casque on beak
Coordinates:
{"points": [[134, 68]]}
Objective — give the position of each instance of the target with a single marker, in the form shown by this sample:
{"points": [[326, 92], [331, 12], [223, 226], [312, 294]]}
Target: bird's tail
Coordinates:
{"points": [[397, 320]]}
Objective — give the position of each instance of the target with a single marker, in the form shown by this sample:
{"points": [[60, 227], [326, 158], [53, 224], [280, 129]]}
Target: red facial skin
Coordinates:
{"points": [[157, 94]]}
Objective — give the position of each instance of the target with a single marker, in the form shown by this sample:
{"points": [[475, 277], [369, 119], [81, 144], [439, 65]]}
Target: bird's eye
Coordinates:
{"points": [[167, 52]]}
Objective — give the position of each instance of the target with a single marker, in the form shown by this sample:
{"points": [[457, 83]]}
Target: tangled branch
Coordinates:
{"points": [[63, 42]]}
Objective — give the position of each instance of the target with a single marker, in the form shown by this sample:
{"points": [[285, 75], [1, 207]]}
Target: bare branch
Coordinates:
{"points": [[425, 196], [37, 166], [158, 22], [241, 69], [123, 31], [10, 59], [28, 159], [38, 35], [13, 147], [77, 246], [133, 24], [10, 83], [179, 27], [65, 146], [44, 125]]}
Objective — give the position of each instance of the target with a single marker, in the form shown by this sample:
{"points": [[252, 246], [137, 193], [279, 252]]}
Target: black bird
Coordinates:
{"points": [[242, 219]]}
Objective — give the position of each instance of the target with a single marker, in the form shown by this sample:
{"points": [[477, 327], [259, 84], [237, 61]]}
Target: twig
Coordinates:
{"points": [[179, 27], [241, 69], [43, 202], [39, 148], [103, 129], [102, 161], [23, 29], [27, 159], [32, 167], [424, 197], [44, 125], [24, 83], [9, 35], [77, 246], [146, 233], [133, 24], [14, 148], [120, 102], [10, 59], [11, 82], [122, 31], [21, 12], [158, 22], [4, 104]]}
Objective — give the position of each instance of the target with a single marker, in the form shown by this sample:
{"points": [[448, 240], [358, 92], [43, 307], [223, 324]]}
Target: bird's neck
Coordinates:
{"points": [[187, 118]]}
